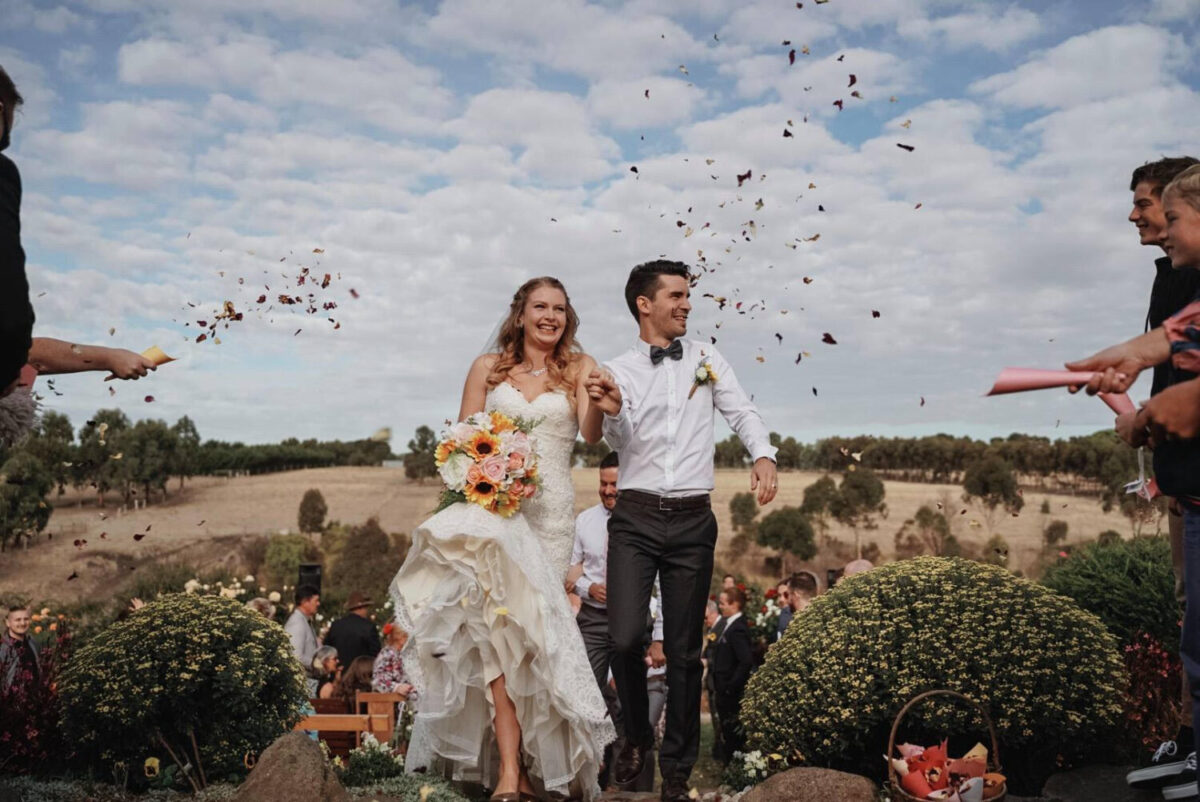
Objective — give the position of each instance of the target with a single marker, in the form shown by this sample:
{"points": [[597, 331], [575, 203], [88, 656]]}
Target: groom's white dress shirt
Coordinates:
{"points": [[665, 439]]}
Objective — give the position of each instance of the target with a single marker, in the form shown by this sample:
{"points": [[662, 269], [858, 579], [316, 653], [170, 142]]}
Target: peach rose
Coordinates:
{"points": [[474, 475], [516, 461], [530, 490]]}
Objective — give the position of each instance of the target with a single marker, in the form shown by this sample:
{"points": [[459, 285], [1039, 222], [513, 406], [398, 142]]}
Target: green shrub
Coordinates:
{"points": [[182, 664], [284, 555], [1128, 584], [410, 788], [312, 511], [1049, 672], [370, 763]]}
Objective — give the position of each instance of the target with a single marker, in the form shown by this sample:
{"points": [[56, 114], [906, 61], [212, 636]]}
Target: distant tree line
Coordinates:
{"points": [[113, 456]]}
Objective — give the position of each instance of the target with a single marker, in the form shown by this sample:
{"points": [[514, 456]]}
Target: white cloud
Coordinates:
{"points": [[19, 14], [137, 145], [379, 85], [34, 86], [986, 29], [1174, 10], [1099, 64], [568, 35], [557, 142], [813, 83], [625, 104]]}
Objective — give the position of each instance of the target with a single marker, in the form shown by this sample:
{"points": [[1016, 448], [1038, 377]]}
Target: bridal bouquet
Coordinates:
{"points": [[488, 459]]}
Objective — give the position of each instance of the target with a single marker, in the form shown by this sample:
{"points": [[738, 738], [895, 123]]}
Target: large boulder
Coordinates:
{"points": [[292, 768], [813, 785]]}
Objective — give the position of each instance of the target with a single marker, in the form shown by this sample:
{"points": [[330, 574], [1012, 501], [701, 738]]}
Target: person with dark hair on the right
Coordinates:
{"points": [[1173, 289], [16, 313]]}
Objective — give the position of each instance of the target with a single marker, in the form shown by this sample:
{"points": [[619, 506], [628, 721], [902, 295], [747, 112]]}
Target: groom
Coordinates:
{"points": [[658, 415]]}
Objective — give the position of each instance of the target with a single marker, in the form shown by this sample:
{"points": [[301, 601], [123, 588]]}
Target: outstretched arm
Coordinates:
{"points": [[52, 356], [475, 389], [1118, 366]]}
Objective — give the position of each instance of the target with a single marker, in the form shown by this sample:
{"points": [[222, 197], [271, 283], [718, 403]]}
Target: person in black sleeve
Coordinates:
{"points": [[1173, 289], [731, 659], [354, 634], [16, 313]]}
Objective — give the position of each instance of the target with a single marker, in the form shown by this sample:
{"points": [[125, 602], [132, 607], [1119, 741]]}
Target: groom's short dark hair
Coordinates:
{"points": [[611, 460], [645, 279]]}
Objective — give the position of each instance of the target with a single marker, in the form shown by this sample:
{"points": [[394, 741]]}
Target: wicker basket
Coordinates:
{"points": [[993, 755]]}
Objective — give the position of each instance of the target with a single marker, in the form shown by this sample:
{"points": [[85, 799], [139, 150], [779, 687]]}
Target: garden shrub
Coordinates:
{"points": [[1048, 672], [182, 664], [1128, 584], [409, 788]]}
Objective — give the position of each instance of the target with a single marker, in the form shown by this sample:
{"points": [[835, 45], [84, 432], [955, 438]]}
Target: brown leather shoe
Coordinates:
{"points": [[675, 791], [629, 763]]}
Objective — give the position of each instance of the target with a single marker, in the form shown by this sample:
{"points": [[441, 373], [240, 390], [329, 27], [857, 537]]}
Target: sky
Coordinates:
{"points": [[433, 156]]}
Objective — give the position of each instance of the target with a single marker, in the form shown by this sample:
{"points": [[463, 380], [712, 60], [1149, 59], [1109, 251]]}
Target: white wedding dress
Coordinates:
{"points": [[481, 596]]}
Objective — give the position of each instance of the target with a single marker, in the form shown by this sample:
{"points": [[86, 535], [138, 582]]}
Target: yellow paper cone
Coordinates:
{"points": [[157, 356]]}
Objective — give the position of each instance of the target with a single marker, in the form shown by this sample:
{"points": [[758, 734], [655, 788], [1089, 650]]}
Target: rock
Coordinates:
{"points": [[1092, 783], [292, 768], [813, 785]]}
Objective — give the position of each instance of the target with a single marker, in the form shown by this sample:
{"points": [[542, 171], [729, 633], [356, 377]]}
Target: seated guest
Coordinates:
{"points": [[388, 675], [354, 634], [802, 589], [356, 678], [326, 670], [731, 658], [783, 598]]}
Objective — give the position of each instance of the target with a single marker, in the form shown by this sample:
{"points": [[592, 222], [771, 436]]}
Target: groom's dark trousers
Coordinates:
{"points": [[673, 538]]}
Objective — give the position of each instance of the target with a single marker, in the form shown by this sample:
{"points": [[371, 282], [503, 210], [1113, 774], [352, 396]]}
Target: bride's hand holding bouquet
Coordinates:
{"points": [[488, 459]]}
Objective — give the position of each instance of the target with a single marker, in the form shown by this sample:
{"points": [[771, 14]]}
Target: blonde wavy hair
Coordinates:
{"points": [[510, 342], [1187, 186]]}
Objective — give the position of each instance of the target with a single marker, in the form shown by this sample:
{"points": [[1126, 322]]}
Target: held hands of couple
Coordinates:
{"points": [[603, 391]]}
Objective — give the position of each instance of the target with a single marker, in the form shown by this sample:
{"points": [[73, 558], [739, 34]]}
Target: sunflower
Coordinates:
{"points": [[443, 452], [502, 423], [507, 504], [482, 493], [482, 445]]}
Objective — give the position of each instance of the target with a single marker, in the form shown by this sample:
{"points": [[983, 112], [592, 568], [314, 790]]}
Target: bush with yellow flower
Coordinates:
{"points": [[1049, 673]]}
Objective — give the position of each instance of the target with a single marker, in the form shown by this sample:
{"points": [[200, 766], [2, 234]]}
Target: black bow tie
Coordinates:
{"points": [[674, 350]]}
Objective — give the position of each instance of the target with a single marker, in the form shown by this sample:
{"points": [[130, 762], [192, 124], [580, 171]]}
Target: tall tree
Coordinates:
{"points": [[312, 511], [992, 482], [419, 463], [185, 460], [818, 499], [148, 450], [53, 442], [788, 530], [100, 461], [23, 508], [743, 509], [859, 499]]}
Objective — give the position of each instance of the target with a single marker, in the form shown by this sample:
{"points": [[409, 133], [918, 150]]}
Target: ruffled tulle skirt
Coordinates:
{"points": [[479, 599]]}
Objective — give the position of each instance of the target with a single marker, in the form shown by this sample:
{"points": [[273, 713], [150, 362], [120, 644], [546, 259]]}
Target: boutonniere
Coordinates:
{"points": [[712, 636], [704, 375]]}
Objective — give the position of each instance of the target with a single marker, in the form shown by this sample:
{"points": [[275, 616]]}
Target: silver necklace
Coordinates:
{"points": [[538, 372]]}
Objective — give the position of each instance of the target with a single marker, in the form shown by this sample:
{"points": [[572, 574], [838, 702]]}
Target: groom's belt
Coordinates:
{"points": [[671, 503]]}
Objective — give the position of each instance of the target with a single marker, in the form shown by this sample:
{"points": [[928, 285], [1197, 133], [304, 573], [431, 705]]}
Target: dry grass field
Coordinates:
{"points": [[203, 523]]}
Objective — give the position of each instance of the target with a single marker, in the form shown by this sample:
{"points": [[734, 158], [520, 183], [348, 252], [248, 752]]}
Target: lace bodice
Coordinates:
{"points": [[550, 513]]}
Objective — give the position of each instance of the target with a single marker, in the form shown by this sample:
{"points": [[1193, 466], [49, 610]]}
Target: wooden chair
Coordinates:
{"points": [[380, 708], [337, 725]]}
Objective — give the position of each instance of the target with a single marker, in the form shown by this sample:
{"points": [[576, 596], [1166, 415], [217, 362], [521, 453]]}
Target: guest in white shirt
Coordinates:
{"points": [[299, 626], [587, 577], [657, 400]]}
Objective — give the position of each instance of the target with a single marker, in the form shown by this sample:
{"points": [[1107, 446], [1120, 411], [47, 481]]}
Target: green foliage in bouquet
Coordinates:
{"points": [[1128, 584], [1048, 672], [182, 665]]}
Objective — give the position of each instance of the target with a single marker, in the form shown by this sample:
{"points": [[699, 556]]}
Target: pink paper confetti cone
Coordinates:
{"points": [[1018, 380]]}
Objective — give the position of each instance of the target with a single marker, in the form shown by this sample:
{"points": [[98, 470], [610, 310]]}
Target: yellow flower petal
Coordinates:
{"points": [[501, 611]]}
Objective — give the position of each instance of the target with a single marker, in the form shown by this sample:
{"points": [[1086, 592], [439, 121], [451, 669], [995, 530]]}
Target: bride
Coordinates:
{"points": [[494, 647]]}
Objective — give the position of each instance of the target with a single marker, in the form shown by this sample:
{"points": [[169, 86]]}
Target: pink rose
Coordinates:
{"points": [[517, 489], [494, 469], [474, 475], [530, 490], [515, 461]]}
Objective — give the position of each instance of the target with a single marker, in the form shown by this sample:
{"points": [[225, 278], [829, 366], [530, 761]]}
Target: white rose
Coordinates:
{"points": [[461, 432], [229, 593], [191, 586], [701, 374], [249, 578], [274, 597], [454, 471]]}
